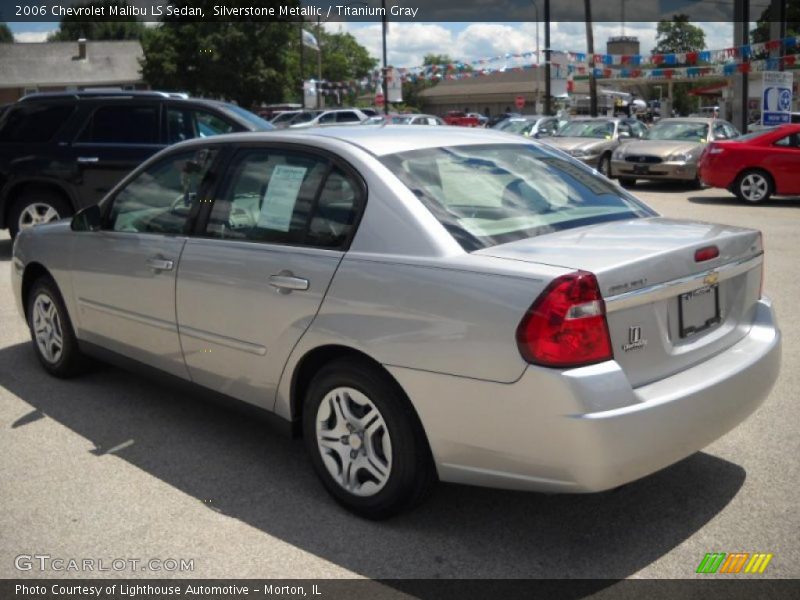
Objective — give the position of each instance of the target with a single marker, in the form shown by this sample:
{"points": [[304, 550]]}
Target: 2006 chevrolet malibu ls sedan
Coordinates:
{"points": [[465, 305]]}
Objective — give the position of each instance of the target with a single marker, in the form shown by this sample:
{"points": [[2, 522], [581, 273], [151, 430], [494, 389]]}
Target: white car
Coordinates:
{"points": [[344, 116]]}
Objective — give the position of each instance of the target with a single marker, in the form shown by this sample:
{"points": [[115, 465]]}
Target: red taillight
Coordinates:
{"points": [[566, 326], [707, 253]]}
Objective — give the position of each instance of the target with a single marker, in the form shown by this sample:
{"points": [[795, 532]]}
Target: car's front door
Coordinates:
{"points": [[252, 280], [124, 275], [783, 161], [116, 138]]}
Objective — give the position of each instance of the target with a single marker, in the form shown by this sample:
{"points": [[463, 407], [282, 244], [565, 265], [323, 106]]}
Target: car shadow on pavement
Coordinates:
{"points": [[235, 465], [729, 200]]}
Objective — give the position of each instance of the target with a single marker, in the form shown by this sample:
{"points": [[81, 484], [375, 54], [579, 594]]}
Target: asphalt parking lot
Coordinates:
{"points": [[114, 466]]}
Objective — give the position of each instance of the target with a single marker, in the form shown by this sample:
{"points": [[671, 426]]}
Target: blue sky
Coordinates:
{"points": [[409, 42]]}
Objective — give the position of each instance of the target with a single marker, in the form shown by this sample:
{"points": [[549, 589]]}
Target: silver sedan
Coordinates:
{"points": [[471, 307]]}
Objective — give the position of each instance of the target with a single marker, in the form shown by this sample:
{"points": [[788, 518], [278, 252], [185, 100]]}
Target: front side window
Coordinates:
{"points": [[188, 123], [34, 123], [160, 198], [493, 194], [128, 124], [285, 197], [327, 118], [790, 141]]}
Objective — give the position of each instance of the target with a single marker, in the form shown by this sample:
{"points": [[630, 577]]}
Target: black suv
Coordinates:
{"points": [[60, 152]]}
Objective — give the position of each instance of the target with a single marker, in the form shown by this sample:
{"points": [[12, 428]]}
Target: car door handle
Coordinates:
{"points": [[286, 282], [87, 160], [159, 264]]}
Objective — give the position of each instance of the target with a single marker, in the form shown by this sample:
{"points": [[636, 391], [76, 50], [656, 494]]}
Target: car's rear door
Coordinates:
{"points": [[253, 277], [124, 275], [117, 137]]}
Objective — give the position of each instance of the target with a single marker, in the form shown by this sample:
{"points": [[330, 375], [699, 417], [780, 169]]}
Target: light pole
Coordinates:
{"points": [[538, 59], [547, 103], [385, 70]]}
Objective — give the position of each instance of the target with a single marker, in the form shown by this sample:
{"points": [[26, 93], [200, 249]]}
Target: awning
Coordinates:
{"points": [[709, 90]]}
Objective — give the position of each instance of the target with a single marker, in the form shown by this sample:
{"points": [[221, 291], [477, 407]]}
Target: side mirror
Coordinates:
{"points": [[87, 219]]}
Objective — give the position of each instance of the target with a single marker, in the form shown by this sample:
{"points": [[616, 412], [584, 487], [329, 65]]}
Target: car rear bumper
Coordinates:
{"points": [[664, 170], [587, 430]]}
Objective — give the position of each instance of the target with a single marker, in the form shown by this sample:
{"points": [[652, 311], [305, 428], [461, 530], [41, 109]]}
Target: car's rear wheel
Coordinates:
{"points": [[365, 441], [35, 208], [754, 186], [51, 330]]}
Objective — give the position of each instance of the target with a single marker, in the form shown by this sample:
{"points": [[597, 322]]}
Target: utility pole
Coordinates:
{"points": [[385, 70], [302, 67], [587, 7], [548, 107], [741, 37], [777, 29], [319, 65]]}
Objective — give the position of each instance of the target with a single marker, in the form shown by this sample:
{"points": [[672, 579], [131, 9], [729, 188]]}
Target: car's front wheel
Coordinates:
{"points": [[753, 186], [365, 441], [35, 208], [604, 166], [51, 330]]}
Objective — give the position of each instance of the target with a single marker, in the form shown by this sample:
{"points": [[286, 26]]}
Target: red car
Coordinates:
{"points": [[461, 119], [755, 166]]}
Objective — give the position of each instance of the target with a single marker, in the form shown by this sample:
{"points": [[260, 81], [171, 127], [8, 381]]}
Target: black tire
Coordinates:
{"points": [[411, 473], [744, 190], [604, 165], [71, 361], [31, 198], [627, 181]]}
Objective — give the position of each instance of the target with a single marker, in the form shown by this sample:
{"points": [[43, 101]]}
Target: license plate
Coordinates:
{"points": [[641, 169], [698, 310]]}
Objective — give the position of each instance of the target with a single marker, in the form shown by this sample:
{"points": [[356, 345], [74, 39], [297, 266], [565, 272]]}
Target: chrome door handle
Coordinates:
{"points": [[286, 282], [87, 160], [159, 264]]}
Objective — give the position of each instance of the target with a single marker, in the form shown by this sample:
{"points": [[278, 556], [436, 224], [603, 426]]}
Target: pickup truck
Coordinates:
{"points": [[461, 119]]}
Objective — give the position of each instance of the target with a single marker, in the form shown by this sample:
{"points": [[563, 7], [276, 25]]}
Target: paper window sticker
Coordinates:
{"points": [[280, 198]]}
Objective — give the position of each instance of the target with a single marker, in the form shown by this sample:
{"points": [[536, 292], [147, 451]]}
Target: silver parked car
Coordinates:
{"points": [[593, 140], [670, 150], [529, 125], [468, 306]]}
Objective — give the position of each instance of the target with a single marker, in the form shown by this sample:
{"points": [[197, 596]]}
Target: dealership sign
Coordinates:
{"points": [[776, 98]]}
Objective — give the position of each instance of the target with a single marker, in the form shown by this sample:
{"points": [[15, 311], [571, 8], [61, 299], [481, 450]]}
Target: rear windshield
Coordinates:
{"points": [[487, 195]]}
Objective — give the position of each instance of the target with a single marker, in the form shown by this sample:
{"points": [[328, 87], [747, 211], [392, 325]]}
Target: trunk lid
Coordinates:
{"points": [[666, 311]]}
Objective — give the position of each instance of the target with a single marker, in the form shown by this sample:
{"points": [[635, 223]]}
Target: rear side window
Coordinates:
{"points": [[31, 124], [494, 194], [346, 116], [285, 197], [128, 124]]}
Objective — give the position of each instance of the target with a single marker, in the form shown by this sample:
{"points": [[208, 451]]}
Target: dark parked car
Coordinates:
{"points": [[60, 152]]}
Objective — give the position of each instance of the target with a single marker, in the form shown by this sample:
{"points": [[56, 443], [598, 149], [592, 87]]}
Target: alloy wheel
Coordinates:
{"points": [[754, 187], [36, 214], [353, 441], [47, 328]]}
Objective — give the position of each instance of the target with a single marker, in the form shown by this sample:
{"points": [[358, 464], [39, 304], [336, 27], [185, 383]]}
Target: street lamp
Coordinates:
{"points": [[385, 70]]}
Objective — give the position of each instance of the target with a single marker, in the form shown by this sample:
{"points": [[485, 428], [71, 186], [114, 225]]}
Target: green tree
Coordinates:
{"points": [[679, 36], [413, 89], [234, 58], [6, 37], [116, 27], [762, 31], [342, 58]]}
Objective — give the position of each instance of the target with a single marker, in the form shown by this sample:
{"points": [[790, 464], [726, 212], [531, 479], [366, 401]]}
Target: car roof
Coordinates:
{"points": [[705, 120], [117, 96], [379, 141]]}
